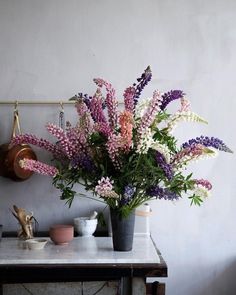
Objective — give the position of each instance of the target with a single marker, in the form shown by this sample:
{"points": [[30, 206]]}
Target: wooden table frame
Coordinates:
{"points": [[132, 276]]}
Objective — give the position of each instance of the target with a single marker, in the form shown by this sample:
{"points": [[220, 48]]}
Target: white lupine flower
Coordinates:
{"points": [[186, 116], [201, 191], [145, 142], [163, 149], [142, 107]]}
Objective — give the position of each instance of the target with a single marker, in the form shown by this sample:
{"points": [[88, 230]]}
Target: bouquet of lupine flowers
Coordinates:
{"points": [[125, 157]]}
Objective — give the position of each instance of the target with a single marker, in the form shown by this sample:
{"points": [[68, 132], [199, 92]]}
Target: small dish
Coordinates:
{"points": [[36, 244]]}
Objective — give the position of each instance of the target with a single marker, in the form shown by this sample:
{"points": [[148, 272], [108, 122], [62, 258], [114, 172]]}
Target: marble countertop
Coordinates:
{"points": [[82, 250]]}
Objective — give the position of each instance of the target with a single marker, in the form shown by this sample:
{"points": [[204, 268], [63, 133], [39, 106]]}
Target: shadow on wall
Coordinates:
{"points": [[223, 283]]}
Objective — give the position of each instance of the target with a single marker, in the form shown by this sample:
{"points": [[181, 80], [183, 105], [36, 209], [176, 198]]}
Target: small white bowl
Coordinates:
{"points": [[36, 244], [84, 226]]}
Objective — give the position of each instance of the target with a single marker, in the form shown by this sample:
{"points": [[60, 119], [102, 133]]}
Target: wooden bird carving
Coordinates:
{"points": [[26, 222]]}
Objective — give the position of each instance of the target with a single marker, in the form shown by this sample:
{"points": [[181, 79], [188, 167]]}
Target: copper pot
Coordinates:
{"points": [[10, 157]]}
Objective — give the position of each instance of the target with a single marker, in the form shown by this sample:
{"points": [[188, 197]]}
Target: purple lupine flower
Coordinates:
{"points": [[83, 161], [85, 97], [170, 96], [161, 193], [142, 82], [208, 142], [129, 191], [167, 169]]}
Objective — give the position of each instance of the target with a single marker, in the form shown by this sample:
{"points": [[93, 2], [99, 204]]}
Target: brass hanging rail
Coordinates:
{"points": [[36, 102]]}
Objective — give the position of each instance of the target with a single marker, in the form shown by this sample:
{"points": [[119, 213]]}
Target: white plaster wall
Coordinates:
{"points": [[51, 49]]}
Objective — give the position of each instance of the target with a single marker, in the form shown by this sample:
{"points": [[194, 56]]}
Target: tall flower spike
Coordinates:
{"points": [[208, 142], [84, 115], [111, 101], [39, 142], [203, 182], [185, 105], [161, 193], [190, 154], [103, 128], [126, 122], [149, 116], [142, 82], [145, 141], [163, 149], [167, 169], [181, 116], [64, 141], [170, 96], [96, 107], [114, 144], [129, 99], [39, 167]]}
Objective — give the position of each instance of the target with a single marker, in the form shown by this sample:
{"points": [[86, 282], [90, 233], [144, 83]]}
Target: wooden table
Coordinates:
{"points": [[84, 259]]}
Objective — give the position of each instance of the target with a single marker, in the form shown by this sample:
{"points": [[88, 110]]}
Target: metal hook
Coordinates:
{"points": [[16, 106], [61, 116], [62, 106]]}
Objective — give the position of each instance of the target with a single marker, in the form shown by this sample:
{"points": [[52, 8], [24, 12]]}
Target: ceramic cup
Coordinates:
{"points": [[84, 226], [61, 234]]}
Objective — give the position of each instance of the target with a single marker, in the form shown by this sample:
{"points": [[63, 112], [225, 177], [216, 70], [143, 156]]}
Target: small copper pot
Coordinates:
{"points": [[9, 161], [10, 156]]}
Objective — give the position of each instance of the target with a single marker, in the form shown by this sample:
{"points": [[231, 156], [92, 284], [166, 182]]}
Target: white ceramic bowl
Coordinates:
{"points": [[36, 244], [84, 226]]}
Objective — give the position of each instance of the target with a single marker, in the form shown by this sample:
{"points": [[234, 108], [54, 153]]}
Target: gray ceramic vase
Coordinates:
{"points": [[122, 230]]}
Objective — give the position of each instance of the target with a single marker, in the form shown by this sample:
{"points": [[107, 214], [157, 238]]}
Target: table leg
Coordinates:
{"points": [[138, 286]]}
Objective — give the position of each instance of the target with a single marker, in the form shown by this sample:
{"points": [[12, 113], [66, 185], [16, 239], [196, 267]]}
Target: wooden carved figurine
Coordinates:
{"points": [[26, 221]]}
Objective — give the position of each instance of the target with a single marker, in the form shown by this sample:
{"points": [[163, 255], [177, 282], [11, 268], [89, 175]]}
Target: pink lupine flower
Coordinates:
{"points": [[103, 127], [192, 153], [105, 188], [61, 135], [188, 154], [114, 144], [77, 139], [84, 116], [150, 113], [203, 182], [38, 167], [39, 142], [96, 107], [129, 98], [111, 101], [126, 123], [185, 105]]}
